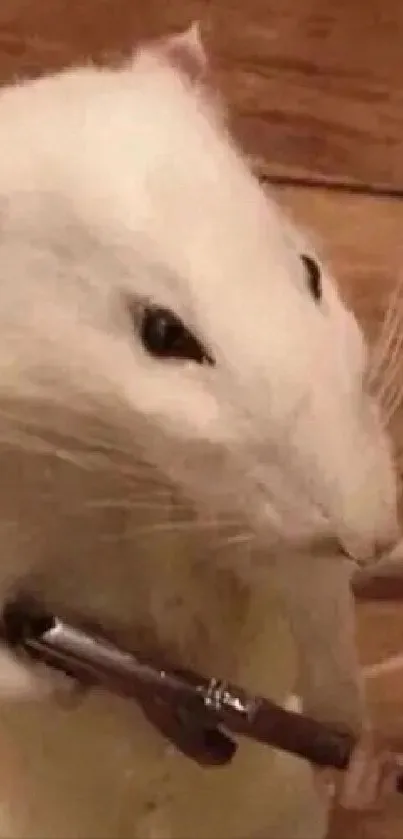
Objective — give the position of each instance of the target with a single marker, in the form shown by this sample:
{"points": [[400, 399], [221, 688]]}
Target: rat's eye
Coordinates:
{"points": [[313, 276], [165, 336]]}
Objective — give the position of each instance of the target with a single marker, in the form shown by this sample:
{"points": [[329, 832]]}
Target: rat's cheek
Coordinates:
{"points": [[348, 339], [357, 349], [184, 403]]}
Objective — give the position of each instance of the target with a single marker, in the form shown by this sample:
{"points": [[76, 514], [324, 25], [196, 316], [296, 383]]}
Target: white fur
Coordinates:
{"points": [[120, 184], [119, 187]]}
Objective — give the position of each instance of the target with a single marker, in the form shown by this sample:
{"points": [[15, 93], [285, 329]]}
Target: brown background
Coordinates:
{"points": [[316, 93], [315, 84]]}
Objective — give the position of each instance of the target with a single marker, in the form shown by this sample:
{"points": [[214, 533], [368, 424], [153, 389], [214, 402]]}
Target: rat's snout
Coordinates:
{"points": [[368, 527], [348, 457]]}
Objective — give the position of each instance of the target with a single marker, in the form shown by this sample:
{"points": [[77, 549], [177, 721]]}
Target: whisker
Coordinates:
{"points": [[393, 406], [167, 527], [97, 455], [392, 371], [239, 539], [91, 449], [390, 410], [129, 503], [388, 330]]}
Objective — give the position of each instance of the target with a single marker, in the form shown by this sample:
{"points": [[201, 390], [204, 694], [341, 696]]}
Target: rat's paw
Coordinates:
{"points": [[371, 777], [369, 781], [34, 682], [325, 782]]}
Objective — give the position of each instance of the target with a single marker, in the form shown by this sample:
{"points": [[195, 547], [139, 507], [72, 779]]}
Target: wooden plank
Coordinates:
{"points": [[315, 85]]}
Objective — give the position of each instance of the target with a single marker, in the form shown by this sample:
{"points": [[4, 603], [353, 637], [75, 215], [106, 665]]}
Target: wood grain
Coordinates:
{"points": [[315, 85], [359, 238]]}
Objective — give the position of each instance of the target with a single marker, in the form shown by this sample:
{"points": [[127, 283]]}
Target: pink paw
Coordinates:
{"points": [[369, 781], [371, 778]]}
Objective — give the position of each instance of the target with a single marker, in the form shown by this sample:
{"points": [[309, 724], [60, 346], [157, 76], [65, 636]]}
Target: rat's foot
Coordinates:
{"points": [[369, 781], [364, 790], [371, 778]]}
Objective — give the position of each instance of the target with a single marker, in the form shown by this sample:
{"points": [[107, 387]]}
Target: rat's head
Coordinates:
{"points": [[151, 287]]}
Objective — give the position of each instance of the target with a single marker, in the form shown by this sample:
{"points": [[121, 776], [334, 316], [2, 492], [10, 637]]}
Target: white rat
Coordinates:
{"points": [[176, 369]]}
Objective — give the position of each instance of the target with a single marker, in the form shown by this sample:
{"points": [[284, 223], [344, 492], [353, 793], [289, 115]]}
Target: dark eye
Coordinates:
{"points": [[313, 276], [165, 336]]}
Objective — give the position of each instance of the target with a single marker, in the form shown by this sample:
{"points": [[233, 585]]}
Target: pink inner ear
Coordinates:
{"points": [[185, 50]]}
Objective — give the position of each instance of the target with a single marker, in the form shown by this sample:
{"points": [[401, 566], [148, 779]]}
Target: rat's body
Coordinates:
{"points": [[125, 472]]}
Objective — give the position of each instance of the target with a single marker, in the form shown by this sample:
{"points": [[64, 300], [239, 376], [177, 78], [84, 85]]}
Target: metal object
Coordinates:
{"points": [[194, 713]]}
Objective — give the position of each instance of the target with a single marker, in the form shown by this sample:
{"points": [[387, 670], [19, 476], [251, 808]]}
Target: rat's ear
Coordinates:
{"points": [[185, 51]]}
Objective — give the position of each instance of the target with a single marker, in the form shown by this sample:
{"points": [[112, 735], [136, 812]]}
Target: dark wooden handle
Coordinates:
{"points": [[197, 714]]}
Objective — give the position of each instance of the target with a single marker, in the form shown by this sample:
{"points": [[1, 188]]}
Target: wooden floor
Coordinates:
{"points": [[316, 95]]}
